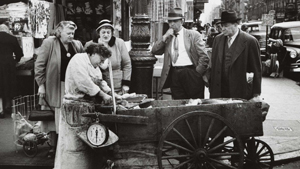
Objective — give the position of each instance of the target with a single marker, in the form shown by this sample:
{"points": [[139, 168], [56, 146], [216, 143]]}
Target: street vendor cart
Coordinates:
{"points": [[215, 133]]}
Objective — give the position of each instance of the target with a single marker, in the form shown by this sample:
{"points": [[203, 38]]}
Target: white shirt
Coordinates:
{"points": [[183, 58], [82, 78], [234, 36]]}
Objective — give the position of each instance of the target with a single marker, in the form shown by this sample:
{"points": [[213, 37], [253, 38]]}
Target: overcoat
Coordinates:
{"points": [[48, 66], [245, 57], [8, 46], [195, 47]]}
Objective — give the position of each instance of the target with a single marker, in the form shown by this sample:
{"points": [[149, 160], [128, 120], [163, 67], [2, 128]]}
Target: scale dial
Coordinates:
{"points": [[97, 134]]}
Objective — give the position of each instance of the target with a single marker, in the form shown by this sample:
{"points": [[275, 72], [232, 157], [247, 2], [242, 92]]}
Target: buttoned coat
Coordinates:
{"points": [[245, 57], [195, 47], [48, 66]]}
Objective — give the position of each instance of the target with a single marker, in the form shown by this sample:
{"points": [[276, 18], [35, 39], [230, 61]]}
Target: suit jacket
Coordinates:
{"points": [[245, 57], [195, 47], [47, 68]]}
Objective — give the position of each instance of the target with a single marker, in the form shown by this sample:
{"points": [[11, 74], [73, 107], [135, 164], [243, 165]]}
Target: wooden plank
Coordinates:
{"points": [[119, 118], [245, 118]]}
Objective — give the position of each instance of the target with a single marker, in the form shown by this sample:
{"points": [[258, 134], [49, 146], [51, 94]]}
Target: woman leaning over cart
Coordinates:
{"points": [[52, 59], [83, 82], [120, 60]]}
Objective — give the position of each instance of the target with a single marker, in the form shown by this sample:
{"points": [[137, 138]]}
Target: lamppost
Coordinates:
{"points": [[141, 58]]}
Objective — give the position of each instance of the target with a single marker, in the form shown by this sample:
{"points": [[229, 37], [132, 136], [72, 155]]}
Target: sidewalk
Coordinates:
{"points": [[281, 128], [12, 155]]}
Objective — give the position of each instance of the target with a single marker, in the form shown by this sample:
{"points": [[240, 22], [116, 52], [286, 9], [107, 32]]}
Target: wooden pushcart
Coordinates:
{"points": [[219, 133]]}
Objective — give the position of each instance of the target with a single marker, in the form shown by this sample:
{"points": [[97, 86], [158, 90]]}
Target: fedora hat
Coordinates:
{"points": [[175, 14], [229, 16], [104, 22]]}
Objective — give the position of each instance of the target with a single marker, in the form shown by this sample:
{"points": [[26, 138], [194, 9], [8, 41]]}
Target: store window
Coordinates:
{"points": [[87, 14]]}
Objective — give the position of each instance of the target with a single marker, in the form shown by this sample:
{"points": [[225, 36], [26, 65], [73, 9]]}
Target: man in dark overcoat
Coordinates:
{"points": [[235, 62]]}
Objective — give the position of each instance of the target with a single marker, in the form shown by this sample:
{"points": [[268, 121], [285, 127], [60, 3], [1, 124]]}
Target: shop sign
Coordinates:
{"points": [[190, 12], [280, 15], [290, 6], [267, 19]]}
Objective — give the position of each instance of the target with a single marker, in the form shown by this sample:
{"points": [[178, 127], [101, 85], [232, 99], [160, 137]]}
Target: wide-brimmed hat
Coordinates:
{"points": [[104, 22], [229, 16], [175, 14]]}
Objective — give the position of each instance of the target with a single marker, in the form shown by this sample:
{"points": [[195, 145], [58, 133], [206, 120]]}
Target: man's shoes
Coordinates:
{"points": [[1, 115]]}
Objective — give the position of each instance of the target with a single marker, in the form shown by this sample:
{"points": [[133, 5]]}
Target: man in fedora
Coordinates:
{"points": [[185, 59], [235, 62]]}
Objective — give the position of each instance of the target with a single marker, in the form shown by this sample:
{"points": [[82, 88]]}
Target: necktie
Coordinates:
{"points": [[229, 42], [176, 53]]}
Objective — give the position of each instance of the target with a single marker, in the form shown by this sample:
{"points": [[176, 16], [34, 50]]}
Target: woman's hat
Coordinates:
{"points": [[175, 14], [104, 22], [229, 16]]}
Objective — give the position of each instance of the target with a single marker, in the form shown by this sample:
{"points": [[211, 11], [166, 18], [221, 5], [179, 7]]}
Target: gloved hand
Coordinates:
{"points": [[42, 91]]}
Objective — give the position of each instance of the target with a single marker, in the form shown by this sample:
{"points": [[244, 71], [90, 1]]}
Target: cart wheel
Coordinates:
{"points": [[258, 154], [200, 140], [30, 148]]}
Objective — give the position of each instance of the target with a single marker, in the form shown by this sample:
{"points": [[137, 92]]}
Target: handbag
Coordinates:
{"points": [[42, 115]]}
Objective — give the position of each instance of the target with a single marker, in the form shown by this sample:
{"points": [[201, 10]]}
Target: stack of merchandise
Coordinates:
{"points": [[19, 17]]}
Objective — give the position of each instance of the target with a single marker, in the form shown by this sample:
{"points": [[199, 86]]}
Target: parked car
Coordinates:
{"points": [[256, 29], [289, 33]]}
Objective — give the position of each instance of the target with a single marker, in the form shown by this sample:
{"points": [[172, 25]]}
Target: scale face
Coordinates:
{"points": [[97, 134]]}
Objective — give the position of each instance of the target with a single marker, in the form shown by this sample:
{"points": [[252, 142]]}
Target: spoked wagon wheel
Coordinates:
{"points": [[30, 148], [199, 140], [258, 154]]}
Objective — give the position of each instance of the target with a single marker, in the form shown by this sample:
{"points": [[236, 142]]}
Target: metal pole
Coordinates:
{"points": [[266, 37], [112, 88]]}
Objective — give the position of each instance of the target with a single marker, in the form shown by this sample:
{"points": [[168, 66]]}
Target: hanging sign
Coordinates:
{"points": [[267, 19]]}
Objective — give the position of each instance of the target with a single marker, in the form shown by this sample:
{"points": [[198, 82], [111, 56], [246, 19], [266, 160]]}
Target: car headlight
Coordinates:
{"points": [[293, 54]]}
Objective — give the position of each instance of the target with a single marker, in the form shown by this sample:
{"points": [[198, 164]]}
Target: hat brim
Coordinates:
{"points": [[238, 19], [105, 25], [173, 18]]}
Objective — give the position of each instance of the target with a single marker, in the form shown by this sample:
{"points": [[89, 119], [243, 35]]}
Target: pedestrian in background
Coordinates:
{"points": [[211, 34], [185, 59], [52, 60], [236, 63], [11, 53], [218, 27], [120, 59]]}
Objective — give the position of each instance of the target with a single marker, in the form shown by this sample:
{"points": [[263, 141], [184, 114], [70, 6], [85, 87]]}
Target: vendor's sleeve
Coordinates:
{"points": [[104, 87], [82, 79]]}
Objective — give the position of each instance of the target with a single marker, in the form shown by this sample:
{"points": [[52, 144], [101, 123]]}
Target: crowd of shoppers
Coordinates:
{"points": [[66, 69]]}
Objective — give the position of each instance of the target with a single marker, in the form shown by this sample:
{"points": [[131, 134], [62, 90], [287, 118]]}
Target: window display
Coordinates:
{"points": [[86, 14]]}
